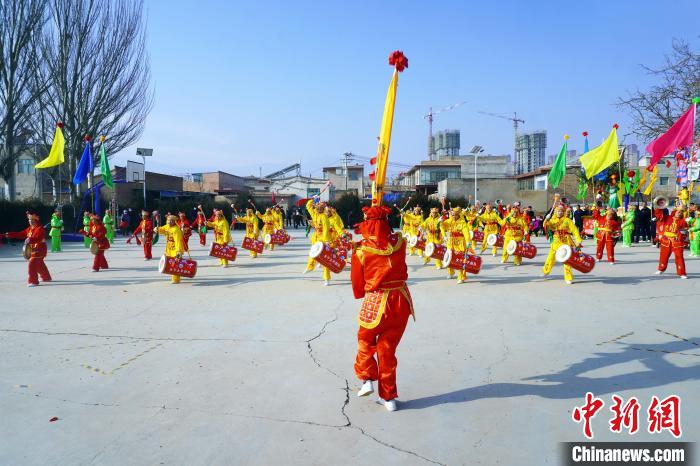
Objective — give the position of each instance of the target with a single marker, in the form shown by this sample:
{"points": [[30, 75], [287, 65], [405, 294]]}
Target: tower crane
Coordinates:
{"points": [[429, 116], [516, 122]]}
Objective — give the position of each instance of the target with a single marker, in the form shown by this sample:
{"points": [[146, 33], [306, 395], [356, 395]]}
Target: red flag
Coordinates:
{"points": [[680, 134]]}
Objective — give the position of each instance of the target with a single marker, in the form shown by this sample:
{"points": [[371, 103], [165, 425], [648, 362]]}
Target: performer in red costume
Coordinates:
{"points": [[674, 227], [98, 233], [184, 225], [608, 234], [146, 230], [34, 235], [200, 225], [379, 276]]}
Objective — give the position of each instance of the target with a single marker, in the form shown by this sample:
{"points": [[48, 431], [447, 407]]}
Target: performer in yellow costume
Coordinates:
{"points": [[411, 224], [433, 234], [320, 222], [269, 221], [458, 232], [684, 196], [471, 216], [563, 232], [279, 221], [252, 227], [175, 243], [516, 226], [490, 221], [222, 233]]}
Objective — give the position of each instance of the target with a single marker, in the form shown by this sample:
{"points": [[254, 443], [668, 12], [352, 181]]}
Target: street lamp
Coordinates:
{"points": [[476, 150], [144, 153]]}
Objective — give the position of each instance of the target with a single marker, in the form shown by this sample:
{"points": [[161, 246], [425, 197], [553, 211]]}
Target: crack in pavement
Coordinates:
{"points": [[129, 337], [506, 353], [348, 422]]}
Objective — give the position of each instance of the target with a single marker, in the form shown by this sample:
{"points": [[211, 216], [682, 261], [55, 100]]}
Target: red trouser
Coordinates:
{"points": [[677, 247], [186, 242], [36, 268], [99, 262], [609, 244], [147, 245], [383, 340], [202, 239]]}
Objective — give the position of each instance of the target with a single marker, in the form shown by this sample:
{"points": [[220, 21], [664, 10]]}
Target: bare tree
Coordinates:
{"points": [[21, 22], [94, 56], [654, 110]]}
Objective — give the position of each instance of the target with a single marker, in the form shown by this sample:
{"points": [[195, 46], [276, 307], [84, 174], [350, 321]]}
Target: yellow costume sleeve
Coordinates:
{"points": [[325, 223], [179, 240]]}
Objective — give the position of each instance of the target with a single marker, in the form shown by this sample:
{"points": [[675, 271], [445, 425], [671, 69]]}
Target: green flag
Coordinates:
{"points": [[558, 171], [104, 167], [582, 189]]}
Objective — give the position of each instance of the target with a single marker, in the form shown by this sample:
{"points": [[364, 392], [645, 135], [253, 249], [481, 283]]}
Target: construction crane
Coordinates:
{"points": [[429, 116], [516, 122]]}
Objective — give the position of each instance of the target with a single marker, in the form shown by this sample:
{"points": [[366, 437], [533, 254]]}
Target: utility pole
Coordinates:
{"points": [[346, 156]]}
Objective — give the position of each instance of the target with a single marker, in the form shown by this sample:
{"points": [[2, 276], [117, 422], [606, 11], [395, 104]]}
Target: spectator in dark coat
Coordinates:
{"points": [[642, 224]]}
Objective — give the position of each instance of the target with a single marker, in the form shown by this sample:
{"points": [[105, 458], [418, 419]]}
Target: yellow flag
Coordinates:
{"points": [[652, 180], [384, 142], [598, 159], [56, 154], [621, 193]]}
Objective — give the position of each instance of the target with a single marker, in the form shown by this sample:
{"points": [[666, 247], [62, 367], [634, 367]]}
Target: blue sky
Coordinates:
{"points": [[265, 84]]}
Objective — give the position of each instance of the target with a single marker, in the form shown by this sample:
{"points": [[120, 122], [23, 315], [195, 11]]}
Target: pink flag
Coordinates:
{"points": [[680, 134]]}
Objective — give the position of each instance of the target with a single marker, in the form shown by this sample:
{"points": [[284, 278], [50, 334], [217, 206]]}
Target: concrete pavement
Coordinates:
{"points": [[254, 364]]}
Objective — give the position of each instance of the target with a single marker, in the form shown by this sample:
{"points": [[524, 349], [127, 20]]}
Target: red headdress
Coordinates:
{"points": [[375, 229]]}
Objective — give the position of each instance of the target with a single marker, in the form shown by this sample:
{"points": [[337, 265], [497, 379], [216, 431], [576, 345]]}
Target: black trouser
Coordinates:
{"points": [[641, 231]]}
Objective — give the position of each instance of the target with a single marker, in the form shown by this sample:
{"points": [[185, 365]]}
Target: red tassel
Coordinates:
{"points": [[372, 176], [373, 161], [59, 124], [616, 126], [398, 60], [585, 134], [630, 173], [668, 164], [87, 138]]}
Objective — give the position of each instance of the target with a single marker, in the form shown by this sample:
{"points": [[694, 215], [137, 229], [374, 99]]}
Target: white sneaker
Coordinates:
{"points": [[494, 254], [30, 285], [658, 272], [569, 282], [366, 388], [611, 263], [390, 405], [326, 282], [684, 277], [597, 260], [460, 281]]}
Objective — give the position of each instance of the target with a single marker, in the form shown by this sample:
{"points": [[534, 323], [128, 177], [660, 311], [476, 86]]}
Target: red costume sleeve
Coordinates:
{"points": [[357, 277], [18, 234], [659, 214]]}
